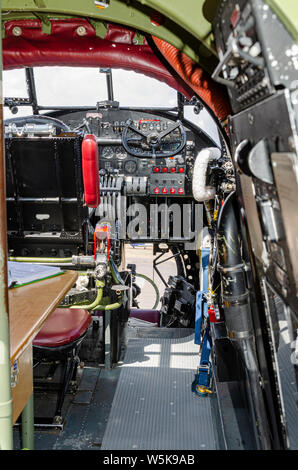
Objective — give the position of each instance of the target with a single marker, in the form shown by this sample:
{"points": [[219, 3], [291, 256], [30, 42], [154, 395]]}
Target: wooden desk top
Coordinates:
{"points": [[29, 307]]}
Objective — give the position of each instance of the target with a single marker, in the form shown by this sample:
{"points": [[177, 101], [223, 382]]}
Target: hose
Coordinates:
{"points": [[113, 306], [154, 287], [96, 302], [211, 93]]}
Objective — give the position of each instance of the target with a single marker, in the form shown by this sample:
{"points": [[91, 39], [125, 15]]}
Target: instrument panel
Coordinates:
{"points": [[157, 150], [140, 152]]}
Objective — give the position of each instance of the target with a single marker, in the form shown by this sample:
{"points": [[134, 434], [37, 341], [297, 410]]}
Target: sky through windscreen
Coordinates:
{"points": [[80, 86]]}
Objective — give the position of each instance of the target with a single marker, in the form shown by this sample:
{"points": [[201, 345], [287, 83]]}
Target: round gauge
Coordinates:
{"points": [[120, 153], [130, 166], [108, 152]]}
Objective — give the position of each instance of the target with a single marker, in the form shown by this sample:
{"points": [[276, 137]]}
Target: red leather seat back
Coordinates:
{"points": [[152, 316], [63, 326], [90, 170]]}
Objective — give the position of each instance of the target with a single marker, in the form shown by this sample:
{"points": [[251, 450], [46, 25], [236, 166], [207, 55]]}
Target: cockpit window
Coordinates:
{"points": [[75, 86], [14, 85], [82, 86], [204, 121], [69, 86], [134, 89]]}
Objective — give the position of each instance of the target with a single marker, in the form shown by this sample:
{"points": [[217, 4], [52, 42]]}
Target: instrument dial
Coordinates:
{"points": [[120, 153], [130, 166], [108, 152]]}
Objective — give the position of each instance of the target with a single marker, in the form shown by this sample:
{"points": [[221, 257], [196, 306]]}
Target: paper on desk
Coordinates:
{"points": [[25, 273]]}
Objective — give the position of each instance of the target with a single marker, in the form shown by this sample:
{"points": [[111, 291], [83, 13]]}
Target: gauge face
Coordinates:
{"points": [[108, 152], [120, 153], [130, 166]]}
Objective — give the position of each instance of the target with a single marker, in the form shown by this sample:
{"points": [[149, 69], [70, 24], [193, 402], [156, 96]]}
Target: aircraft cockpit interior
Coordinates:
{"points": [[149, 225]]}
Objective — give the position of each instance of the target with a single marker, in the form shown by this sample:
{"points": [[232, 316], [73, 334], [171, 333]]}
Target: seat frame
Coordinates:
{"points": [[68, 355]]}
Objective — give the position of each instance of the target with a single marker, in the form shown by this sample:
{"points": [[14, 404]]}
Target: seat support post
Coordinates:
{"points": [[28, 425], [107, 339]]}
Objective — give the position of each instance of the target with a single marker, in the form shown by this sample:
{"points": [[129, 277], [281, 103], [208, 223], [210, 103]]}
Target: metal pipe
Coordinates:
{"points": [[21, 259], [43, 200], [28, 425], [6, 436], [30, 81]]}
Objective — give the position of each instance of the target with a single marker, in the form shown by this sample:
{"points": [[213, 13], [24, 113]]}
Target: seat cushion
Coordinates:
{"points": [[152, 316], [64, 326]]}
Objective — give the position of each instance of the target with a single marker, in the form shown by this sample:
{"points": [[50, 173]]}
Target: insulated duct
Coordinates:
{"points": [[237, 312], [212, 94], [202, 192]]}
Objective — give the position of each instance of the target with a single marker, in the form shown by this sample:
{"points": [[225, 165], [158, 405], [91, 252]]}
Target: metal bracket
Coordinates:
{"points": [[234, 51]]}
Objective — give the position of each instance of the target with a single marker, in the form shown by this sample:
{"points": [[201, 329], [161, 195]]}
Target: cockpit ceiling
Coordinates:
{"points": [[74, 42]]}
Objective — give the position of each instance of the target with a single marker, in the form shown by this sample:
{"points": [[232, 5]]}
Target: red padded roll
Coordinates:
{"points": [[90, 170]]}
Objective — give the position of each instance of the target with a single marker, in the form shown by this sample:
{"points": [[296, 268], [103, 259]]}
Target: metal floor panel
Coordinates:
{"points": [[154, 407], [289, 387]]}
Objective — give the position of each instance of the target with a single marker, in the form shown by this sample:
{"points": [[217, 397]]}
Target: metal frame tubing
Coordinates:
{"points": [[6, 438]]}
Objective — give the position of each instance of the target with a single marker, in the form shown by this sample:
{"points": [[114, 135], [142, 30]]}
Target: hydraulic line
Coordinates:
{"points": [[109, 307], [96, 302]]}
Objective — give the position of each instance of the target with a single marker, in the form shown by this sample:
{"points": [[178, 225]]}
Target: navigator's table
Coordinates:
{"points": [[29, 307]]}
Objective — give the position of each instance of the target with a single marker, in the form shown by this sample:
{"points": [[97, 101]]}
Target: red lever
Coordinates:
{"points": [[102, 232]]}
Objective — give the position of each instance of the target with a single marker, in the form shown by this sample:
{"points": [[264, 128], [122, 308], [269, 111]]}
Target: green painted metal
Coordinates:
{"points": [[287, 11], [21, 259], [97, 301], [132, 13], [28, 425], [196, 16]]}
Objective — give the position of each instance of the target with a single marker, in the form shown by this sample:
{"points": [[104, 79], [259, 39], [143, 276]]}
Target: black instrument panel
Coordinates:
{"points": [[143, 145], [154, 148]]}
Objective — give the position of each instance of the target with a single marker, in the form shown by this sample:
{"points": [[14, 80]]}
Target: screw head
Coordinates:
{"points": [[81, 31], [17, 31]]}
